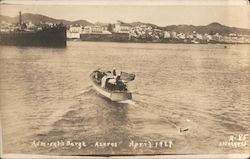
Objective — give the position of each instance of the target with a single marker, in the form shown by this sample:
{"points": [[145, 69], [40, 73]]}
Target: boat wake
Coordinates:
{"points": [[87, 91], [130, 102], [98, 116]]}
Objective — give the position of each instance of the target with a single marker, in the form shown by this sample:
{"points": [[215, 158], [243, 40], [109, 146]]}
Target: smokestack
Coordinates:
{"points": [[20, 17]]}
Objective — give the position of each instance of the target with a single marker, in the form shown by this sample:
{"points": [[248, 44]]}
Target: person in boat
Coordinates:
{"points": [[112, 83], [110, 80], [114, 72], [105, 81], [98, 76]]}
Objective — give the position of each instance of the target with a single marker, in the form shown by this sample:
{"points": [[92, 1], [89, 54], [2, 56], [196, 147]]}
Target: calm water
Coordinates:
{"points": [[46, 96]]}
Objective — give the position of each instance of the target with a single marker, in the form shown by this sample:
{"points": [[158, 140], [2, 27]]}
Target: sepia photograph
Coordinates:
{"points": [[106, 78]]}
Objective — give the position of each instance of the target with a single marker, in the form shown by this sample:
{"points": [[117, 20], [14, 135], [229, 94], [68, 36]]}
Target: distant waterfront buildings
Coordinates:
{"points": [[148, 33], [74, 32]]}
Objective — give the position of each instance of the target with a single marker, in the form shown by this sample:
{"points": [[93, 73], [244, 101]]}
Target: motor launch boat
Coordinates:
{"points": [[111, 85]]}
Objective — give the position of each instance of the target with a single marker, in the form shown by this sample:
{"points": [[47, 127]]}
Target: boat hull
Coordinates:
{"points": [[116, 96]]}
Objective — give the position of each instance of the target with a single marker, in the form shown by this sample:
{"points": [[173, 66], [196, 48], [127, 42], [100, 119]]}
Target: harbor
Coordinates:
{"points": [[124, 79], [195, 96]]}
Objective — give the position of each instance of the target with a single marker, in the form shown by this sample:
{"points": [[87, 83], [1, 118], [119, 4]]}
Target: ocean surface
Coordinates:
{"points": [[187, 99]]}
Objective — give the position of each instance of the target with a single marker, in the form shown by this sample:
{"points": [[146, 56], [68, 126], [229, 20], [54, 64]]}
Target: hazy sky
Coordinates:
{"points": [[231, 15]]}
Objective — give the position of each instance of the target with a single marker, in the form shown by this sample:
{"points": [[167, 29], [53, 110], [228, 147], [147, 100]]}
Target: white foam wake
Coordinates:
{"points": [[127, 102]]}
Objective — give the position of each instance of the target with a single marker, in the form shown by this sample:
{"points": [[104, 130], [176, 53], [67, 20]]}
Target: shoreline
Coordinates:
{"points": [[152, 42]]}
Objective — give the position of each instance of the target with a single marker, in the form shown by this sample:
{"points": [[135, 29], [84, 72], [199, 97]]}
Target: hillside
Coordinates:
{"points": [[37, 18], [209, 29]]}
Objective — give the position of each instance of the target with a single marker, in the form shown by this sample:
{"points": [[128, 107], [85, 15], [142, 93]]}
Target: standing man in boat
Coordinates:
{"points": [[114, 71]]}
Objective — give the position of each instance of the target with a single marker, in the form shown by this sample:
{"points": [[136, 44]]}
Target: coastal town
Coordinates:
{"points": [[125, 32], [121, 31]]}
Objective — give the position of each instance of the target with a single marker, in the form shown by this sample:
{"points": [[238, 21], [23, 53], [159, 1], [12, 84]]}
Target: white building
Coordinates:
{"points": [[232, 34], [87, 30], [181, 36], [6, 27], [167, 34], [199, 36], [174, 34], [30, 25], [190, 36], [74, 32], [217, 37], [208, 37], [121, 27], [95, 30], [49, 24], [99, 29]]}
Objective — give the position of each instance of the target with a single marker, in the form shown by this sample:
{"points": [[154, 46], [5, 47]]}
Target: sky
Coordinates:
{"points": [[161, 14]]}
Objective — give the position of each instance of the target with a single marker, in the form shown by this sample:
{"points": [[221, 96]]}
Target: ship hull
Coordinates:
{"points": [[53, 37]]}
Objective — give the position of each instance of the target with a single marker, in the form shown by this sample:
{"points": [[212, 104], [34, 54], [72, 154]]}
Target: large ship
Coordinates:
{"points": [[47, 36]]}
